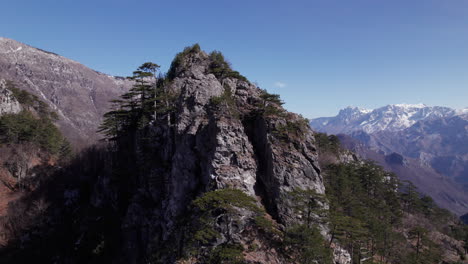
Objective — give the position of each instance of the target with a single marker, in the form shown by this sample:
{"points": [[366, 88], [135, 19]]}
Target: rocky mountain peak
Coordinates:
{"points": [[387, 118], [239, 145], [351, 113], [221, 133]]}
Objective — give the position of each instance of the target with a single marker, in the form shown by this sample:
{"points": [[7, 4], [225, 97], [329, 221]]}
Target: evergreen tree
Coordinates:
{"points": [[307, 245], [135, 109], [309, 204]]}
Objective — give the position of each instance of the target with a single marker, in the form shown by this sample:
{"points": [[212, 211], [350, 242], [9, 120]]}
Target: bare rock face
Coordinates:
{"points": [[78, 94], [8, 103], [220, 138], [235, 147]]}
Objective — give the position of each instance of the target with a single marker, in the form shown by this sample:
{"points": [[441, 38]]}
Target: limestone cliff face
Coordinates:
{"points": [[235, 147], [228, 144], [8, 103]]}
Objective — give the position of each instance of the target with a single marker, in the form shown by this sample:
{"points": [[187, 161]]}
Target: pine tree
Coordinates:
{"points": [[309, 204], [135, 109]]}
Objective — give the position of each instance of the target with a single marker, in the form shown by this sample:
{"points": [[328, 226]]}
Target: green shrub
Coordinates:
{"points": [[228, 253], [35, 128], [223, 201], [270, 104], [271, 98], [28, 100], [226, 199], [178, 60], [307, 245], [327, 143], [218, 64], [292, 129], [226, 102], [25, 127], [221, 68], [225, 98]]}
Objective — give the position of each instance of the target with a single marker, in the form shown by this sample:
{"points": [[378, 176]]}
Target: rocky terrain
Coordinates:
{"points": [[21, 158], [435, 139], [78, 94], [211, 169], [219, 137]]}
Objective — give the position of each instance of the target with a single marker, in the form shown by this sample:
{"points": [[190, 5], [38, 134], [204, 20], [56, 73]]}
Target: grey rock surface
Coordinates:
{"points": [[232, 149], [8, 103], [209, 146]]}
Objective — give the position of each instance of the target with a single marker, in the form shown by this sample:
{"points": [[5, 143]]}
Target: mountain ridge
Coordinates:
{"points": [[435, 137], [78, 94], [393, 117]]}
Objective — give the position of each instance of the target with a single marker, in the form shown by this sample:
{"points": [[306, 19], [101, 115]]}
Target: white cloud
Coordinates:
{"points": [[280, 84]]}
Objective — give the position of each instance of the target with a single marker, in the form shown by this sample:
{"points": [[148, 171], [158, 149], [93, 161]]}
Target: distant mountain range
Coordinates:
{"points": [[432, 140], [390, 118], [78, 94]]}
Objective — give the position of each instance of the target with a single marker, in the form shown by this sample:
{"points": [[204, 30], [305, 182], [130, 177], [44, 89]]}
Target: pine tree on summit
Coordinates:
{"points": [[145, 90], [136, 108]]}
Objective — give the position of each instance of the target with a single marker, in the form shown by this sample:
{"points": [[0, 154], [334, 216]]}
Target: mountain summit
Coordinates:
{"points": [[79, 95]]}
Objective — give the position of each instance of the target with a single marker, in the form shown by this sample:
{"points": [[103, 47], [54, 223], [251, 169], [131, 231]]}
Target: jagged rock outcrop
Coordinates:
{"points": [[229, 144], [235, 149], [217, 138], [8, 103], [221, 134], [78, 94]]}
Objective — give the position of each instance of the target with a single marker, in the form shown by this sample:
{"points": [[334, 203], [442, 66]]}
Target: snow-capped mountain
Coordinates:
{"points": [[388, 118], [434, 136]]}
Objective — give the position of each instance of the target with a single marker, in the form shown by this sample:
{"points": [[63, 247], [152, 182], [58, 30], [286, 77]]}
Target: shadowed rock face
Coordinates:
{"points": [[78, 94]]}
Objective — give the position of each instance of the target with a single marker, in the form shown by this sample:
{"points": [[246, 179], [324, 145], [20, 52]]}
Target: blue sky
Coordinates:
{"points": [[320, 55]]}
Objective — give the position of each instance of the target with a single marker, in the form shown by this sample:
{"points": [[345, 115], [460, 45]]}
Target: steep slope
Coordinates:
{"points": [[445, 192], [78, 94], [440, 143], [142, 199], [30, 145]]}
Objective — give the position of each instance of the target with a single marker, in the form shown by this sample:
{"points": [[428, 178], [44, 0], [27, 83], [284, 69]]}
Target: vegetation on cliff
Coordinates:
{"points": [[34, 124]]}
